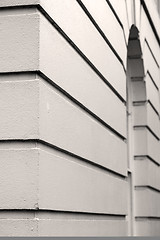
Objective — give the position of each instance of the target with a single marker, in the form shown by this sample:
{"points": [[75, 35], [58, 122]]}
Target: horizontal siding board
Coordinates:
{"points": [[85, 36], [19, 42], [121, 10], [19, 178], [140, 142], [147, 203], [70, 128], [26, 58], [16, 88], [82, 228], [152, 93], [147, 228], [32, 177], [18, 227], [79, 80], [140, 115], [153, 147], [19, 109], [38, 177], [68, 186], [50, 227], [102, 9], [153, 11], [149, 177], [142, 177], [7, 145], [150, 65], [148, 34], [146, 116], [146, 144], [153, 120]]}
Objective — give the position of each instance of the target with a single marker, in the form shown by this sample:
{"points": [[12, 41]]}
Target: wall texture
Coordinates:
{"points": [[79, 125]]}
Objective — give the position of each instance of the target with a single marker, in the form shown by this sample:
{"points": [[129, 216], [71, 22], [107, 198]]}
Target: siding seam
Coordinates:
{"points": [[78, 158]]}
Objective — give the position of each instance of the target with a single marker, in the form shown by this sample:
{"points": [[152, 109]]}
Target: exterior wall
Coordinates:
{"points": [[147, 166], [68, 167]]}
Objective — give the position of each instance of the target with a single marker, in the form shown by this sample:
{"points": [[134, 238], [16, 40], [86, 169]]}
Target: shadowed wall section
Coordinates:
{"points": [[136, 112], [143, 137]]}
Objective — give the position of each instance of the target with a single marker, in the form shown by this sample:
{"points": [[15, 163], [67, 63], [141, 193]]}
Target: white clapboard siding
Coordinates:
{"points": [[140, 142], [147, 227], [70, 128], [140, 115], [19, 107], [34, 177], [100, 8], [146, 32], [19, 178], [66, 125], [150, 65], [153, 10], [52, 227], [18, 227], [81, 81], [78, 79], [69, 186], [82, 228], [146, 144], [147, 202], [149, 177], [153, 120], [121, 10], [19, 41], [153, 147], [152, 93], [146, 116], [85, 36]]}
